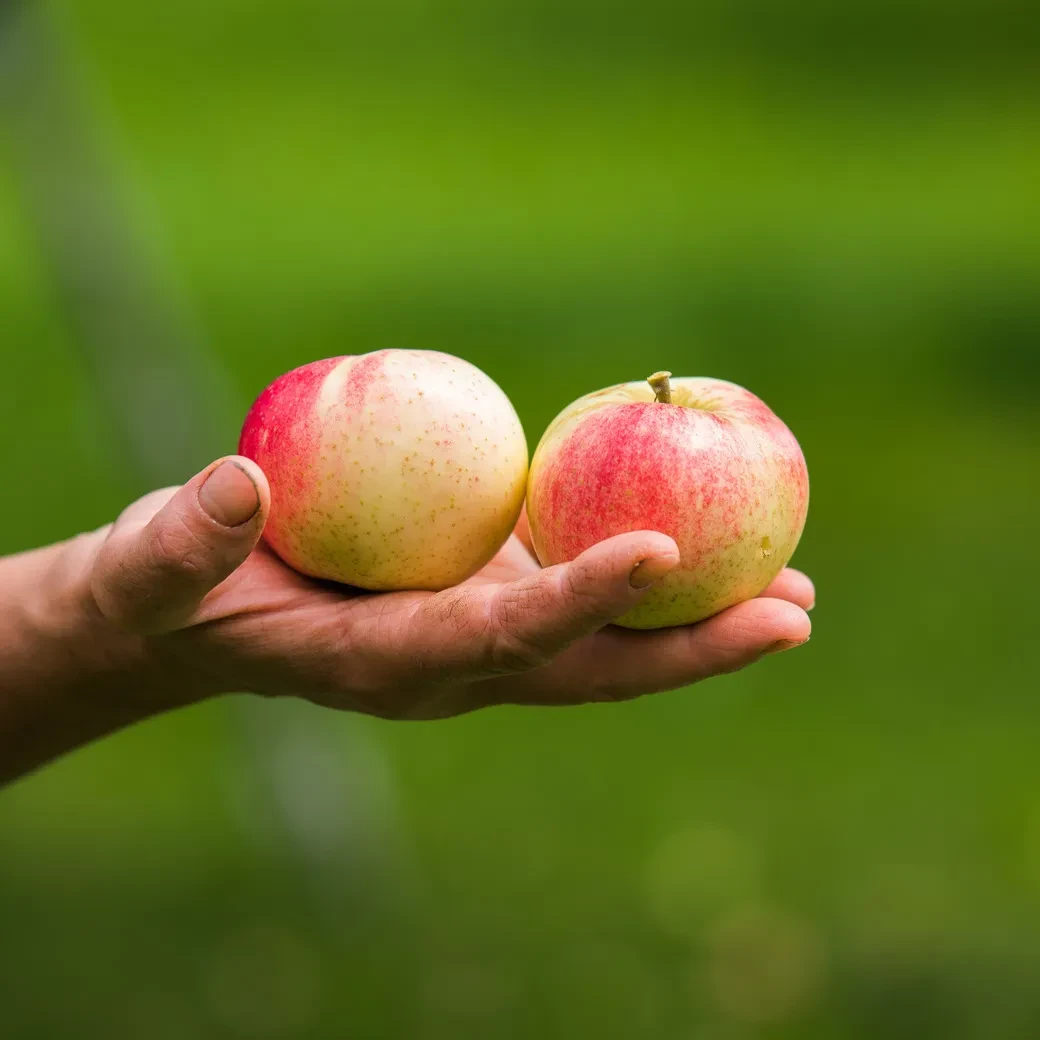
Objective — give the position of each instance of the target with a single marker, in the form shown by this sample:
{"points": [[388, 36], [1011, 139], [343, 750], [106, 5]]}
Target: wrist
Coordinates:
{"points": [[67, 675]]}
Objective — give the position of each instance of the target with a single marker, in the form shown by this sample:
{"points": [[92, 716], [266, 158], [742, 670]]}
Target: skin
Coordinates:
{"points": [[713, 468], [179, 601], [390, 470]]}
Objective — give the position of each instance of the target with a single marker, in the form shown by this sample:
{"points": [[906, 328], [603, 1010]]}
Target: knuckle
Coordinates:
{"points": [[450, 612], [512, 611], [521, 601], [114, 590], [109, 605], [122, 602], [178, 549], [725, 653], [583, 582], [512, 653], [450, 636]]}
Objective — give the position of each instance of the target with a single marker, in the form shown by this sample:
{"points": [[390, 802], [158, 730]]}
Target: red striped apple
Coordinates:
{"points": [[701, 460], [399, 469]]}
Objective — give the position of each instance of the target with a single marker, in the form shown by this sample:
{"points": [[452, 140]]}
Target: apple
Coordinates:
{"points": [[701, 460], [399, 469]]}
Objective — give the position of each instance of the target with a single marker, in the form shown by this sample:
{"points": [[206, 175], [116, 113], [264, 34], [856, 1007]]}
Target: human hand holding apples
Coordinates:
{"points": [[179, 600], [187, 584]]}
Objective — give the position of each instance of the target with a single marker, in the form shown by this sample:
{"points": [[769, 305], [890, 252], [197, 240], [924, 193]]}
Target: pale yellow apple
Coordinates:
{"points": [[399, 469]]}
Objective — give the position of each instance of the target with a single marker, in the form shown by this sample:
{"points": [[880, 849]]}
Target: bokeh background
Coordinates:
{"points": [[834, 204]]}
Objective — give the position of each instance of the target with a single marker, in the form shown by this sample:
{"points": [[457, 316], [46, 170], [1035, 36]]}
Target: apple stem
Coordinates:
{"points": [[661, 385]]}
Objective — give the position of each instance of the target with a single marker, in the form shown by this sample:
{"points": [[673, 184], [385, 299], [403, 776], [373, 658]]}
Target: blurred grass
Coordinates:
{"points": [[840, 214]]}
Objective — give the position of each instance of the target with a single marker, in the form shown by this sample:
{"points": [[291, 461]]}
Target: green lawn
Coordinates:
{"points": [[843, 842]]}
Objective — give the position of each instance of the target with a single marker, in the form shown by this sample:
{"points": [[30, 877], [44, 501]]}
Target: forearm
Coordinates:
{"points": [[66, 676]]}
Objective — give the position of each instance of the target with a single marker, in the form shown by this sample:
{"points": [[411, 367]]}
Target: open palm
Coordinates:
{"points": [[184, 570]]}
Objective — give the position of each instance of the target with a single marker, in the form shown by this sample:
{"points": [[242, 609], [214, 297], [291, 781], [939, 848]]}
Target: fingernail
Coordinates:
{"points": [[229, 495], [786, 644], [646, 572], [811, 605]]}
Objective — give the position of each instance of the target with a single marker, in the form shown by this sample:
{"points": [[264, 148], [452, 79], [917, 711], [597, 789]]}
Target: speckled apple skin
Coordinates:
{"points": [[399, 469], [715, 469]]}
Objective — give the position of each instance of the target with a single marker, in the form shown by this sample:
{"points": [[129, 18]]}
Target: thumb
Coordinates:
{"points": [[526, 623], [151, 576]]}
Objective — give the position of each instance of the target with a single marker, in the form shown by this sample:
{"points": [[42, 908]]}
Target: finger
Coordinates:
{"points": [[618, 664], [474, 632], [138, 513], [725, 643], [153, 571], [794, 586]]}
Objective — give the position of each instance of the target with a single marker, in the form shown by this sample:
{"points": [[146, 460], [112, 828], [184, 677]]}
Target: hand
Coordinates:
{"points": [[183, 573]]}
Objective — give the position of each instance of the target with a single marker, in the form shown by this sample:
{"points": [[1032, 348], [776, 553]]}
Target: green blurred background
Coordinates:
{"points": [[835, 205]]}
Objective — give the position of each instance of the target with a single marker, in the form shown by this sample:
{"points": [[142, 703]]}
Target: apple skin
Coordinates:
{"points": [[399, 469], [715, 469]]}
